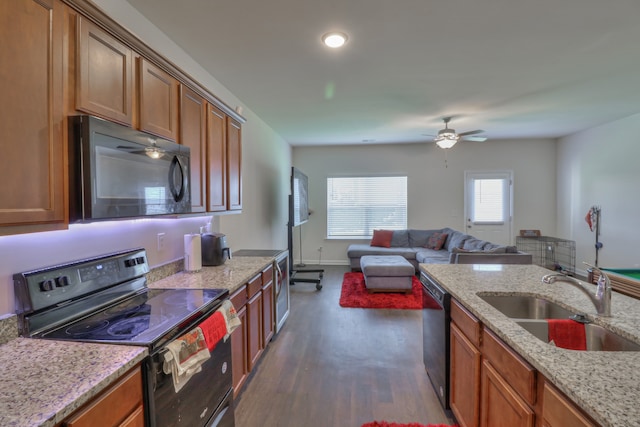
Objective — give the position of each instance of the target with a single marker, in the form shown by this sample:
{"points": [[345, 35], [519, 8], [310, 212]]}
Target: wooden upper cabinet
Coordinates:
{"points": [[32, 125], [104, 76], [193, 134], [216, 160], [158, 100], [234, 165]]}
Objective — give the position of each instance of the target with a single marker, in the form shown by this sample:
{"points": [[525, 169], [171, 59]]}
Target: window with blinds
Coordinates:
{"points": [[488, 201], [358, 205]]}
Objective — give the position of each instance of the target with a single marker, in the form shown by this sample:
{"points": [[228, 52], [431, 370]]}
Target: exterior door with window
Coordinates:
{"points": [[488, 205]]}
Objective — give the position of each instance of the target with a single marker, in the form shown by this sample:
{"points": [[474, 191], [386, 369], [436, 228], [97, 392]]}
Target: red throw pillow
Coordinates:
{"points": [[436, 240], [382, 238]]}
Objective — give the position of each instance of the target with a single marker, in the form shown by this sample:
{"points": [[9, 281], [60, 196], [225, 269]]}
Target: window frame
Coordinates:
{"points": [[375, 226]]}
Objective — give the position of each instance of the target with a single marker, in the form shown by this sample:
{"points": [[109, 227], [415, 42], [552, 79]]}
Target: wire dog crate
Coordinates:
{"points": [[550, 252]]}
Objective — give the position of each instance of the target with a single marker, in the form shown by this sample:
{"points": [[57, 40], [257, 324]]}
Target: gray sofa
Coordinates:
{"points": [[458, 248]]}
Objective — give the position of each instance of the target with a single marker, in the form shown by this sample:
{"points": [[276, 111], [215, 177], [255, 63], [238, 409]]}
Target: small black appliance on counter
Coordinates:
{"points": [[214, 249]]}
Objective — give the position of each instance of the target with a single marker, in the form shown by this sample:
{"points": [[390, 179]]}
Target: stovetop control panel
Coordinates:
{"points": [[38, 289]]}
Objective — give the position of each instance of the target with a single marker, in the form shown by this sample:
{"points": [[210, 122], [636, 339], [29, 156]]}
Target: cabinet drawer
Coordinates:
{"points": [[254, 286], [239, 297], [519, 374], [466, 322], [267, 275], [559, 411]]}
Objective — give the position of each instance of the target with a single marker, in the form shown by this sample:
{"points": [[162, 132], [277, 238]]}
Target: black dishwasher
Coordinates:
{"points": [[435, 335]]}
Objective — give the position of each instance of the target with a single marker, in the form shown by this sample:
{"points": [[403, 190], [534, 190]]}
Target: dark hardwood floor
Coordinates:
{"points": [[334, 366]]}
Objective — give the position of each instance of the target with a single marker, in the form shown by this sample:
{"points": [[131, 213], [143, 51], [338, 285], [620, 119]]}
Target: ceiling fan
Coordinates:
{"points": [[447, 137]]}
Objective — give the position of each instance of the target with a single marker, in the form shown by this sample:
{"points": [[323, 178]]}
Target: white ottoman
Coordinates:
{"points": [[387, 273]]}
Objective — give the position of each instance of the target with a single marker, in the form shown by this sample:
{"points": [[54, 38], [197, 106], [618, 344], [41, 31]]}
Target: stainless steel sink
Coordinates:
{"points": [[526, 307], [598, 338]]}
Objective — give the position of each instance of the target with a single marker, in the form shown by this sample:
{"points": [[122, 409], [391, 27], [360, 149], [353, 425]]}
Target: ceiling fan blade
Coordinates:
{"points": [[471, 132], [474, 138]]}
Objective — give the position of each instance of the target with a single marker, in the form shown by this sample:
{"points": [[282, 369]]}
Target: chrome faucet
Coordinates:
{"points": [[602, 297]]}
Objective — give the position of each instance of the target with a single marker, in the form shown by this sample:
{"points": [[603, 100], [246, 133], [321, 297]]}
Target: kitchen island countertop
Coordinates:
{"points": [[605, 384]]}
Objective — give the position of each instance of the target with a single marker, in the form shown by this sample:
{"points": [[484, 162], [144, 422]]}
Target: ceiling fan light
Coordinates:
{"points": [[446, 142]]}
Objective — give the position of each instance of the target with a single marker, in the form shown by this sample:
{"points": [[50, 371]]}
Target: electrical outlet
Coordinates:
{"points": [[160, 241]]}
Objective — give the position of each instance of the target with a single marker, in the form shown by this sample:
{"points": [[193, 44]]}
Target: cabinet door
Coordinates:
{"points": [[558, 411], [159, 94], [104, 74], [118, 405], [268, 323], [193, 127], [464, 396], [32, 167], [239, 352], [254, 320], [234, 165], [216, 160], [501, 405]]}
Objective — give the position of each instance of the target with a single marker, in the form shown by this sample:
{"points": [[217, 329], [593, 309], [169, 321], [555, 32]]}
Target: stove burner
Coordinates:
{"points": [[86, 328], [130, 327]]}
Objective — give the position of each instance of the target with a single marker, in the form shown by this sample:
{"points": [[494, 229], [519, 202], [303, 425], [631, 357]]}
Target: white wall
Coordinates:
{"points": [[600, 167], [435, 192], [266, 161]]}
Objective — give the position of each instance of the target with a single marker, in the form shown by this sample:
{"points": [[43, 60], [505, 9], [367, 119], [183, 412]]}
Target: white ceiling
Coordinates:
{"points": [[515, 68]]}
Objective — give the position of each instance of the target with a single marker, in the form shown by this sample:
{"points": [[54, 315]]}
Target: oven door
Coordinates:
{"points": [[204, 400]]}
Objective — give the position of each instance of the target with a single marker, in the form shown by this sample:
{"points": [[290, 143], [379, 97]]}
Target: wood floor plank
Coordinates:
{"points": [[340, 367]]}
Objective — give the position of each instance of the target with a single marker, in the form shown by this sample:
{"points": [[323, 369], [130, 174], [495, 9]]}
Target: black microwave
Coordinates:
{"points": [[120, 172]]}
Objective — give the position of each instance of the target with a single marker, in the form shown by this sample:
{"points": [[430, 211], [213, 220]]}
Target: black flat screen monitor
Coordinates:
{"points": [[299, 205]]}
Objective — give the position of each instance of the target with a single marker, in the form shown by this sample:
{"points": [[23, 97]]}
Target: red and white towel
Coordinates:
{"points": [[184, 357], [186, 354]]}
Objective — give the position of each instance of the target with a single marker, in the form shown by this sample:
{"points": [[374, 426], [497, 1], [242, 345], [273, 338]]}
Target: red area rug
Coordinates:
{"points": [[354, 294], [386, 424]]}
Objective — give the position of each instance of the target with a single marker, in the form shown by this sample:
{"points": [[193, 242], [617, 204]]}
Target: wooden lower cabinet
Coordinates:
{"points": [[268, 306], [254, 320], [501, 405], [558, 411], [119, 406], [464, 396], [254, 303], [493, 386]]}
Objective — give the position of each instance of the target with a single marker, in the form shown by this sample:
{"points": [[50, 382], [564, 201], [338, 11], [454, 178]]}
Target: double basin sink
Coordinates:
{"points": [[532, 312]]}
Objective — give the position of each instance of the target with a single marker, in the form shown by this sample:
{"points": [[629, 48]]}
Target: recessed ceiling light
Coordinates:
{"points": [[334, 39]]}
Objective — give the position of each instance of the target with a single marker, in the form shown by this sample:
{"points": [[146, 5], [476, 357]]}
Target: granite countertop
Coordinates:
{"points": [[230, 275], [42, 381], [605, 384]]}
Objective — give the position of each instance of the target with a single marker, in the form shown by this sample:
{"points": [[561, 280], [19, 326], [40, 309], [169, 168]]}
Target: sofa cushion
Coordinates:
{"points": [[473, 244], [436, 240], [456, 239], [418, 238], [430, 256], [359, 250], [400, 239], [382, 238]]}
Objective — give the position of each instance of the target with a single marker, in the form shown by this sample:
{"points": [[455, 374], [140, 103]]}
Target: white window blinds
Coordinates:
{"points": [[358, 205], [488, 201]]}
